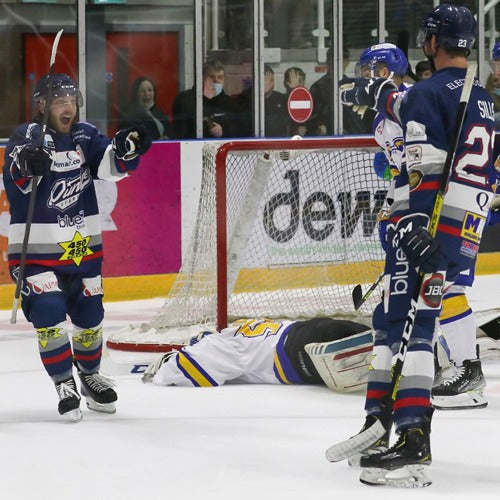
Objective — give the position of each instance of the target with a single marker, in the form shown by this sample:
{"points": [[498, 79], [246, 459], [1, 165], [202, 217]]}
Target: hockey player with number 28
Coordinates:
{"points": [[427, 113], [62, 276]]}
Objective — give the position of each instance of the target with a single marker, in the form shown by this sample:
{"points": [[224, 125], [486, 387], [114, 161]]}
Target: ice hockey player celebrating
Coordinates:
{"points": [[427, 113], [64, 253]]}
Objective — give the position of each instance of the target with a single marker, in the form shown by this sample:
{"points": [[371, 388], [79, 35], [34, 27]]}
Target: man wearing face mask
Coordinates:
{"points": [[220, 116]]}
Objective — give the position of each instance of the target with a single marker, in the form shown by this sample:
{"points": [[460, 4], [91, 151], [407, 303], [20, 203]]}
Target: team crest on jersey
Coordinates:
{"points": [[65, 192], [76, 249], [88, 337], [415, 179], [46, 334], [472, 227], [253, 328]]}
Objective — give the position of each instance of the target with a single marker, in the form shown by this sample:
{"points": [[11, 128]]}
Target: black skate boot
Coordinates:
{"points": [[98, 391], [462, 391], [377, 447], [69, 400], [402, 465]]}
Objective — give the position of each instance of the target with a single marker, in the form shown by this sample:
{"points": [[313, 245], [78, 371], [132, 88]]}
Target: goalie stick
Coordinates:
{"points": [[358, 298], [34, 187], [371, 434]]}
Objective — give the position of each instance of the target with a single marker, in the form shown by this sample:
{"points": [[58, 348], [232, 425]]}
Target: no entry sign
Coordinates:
{"points": [[300, 104]]}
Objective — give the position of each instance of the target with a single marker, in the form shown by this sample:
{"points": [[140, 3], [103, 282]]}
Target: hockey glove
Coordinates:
{"points": [[423, 251], [34, 160], [132, 142], [368, 93]]}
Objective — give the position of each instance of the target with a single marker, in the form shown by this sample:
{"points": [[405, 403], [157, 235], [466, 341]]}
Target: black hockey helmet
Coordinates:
{"points": [[453, 27], [60, 84]]}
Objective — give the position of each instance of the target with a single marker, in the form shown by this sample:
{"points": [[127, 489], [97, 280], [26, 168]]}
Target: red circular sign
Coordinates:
{"points": [[300, 104]]}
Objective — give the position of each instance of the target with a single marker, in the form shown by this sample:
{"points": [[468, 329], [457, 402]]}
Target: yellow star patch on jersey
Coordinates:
{"points": [[45, 334], [88, 337], [76, 249]]}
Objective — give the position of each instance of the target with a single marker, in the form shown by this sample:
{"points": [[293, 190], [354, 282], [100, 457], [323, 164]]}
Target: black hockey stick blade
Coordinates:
{"points": [[358, 298], [356, 444]]}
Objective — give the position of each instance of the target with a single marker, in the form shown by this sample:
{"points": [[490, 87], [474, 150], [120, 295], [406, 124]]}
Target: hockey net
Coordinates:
{"points": [[284, 229]]}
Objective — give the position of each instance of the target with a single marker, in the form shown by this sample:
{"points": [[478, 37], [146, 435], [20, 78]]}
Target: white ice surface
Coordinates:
{"points": [[232, 442]]}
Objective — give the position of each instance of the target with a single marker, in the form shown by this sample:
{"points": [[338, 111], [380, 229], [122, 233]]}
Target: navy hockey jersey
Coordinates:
{"points": [[66, 230]]}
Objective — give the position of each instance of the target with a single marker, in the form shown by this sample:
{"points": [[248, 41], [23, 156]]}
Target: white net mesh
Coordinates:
{"points": [[301, 232]]}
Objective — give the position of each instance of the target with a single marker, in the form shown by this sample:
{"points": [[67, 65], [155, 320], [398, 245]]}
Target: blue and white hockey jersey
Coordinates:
{"points": [[66, 231], [427, 114]]}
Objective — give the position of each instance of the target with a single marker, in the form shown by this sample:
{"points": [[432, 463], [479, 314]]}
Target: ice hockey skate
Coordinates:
{"points": [[403, 465], [98, 391], [462, 391], [153, 368], [69, 400]]}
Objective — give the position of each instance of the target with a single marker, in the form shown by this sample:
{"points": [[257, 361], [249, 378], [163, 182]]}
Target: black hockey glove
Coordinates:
{"points": [[132, 142], [34, 160], [423, 251], [367, 92]]}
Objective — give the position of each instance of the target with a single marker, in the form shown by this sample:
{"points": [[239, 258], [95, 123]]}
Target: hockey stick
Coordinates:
{"points": [[358, 298], [34, 187], [371, 434], [402, 43]]}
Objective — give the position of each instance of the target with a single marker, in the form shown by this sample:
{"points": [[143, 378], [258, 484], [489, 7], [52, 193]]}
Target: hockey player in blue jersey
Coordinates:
{"points": [[464, 383], [427, 115], [62, 276]]}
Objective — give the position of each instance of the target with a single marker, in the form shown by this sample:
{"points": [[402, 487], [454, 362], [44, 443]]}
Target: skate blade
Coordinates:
{"points": [[73, 415], [467, 401], [409, 476], [100, 407]]}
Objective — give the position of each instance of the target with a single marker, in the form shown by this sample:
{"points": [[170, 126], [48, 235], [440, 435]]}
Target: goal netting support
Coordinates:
{"points": [[284, 229]]}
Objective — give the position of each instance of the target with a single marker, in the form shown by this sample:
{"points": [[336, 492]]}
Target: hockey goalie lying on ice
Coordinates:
{"points": [[315, 351]]}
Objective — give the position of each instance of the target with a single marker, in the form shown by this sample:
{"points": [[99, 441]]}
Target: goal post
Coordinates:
{"points": [[284, 229]]}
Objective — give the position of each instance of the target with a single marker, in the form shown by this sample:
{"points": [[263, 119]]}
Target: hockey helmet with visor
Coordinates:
{"points": [[387, 53], [60, 85]]}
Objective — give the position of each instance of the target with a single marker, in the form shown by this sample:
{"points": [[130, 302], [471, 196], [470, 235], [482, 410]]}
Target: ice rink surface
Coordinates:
{"points": [[231, 442]]}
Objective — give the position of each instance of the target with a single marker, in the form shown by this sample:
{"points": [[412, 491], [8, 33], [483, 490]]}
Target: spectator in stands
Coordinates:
{"points": [[423, 70], [275, 108], [220, 116], [294, 77], [493, 82], [143, 110]]}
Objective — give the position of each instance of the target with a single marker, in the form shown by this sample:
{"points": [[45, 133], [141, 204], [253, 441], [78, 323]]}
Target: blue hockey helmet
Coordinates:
{"points": [[60, 84], [387, 53], [495, 53], [453, 27]]}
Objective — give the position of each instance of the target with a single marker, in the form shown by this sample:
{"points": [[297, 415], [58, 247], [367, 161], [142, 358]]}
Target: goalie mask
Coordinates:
{"points": [[453, 27], [60, 85]]}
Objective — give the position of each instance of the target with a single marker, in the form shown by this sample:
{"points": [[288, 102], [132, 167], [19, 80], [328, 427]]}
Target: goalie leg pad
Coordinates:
{"points": [[343, 364]]}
